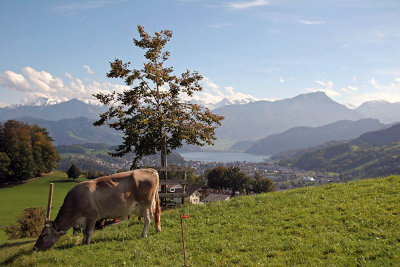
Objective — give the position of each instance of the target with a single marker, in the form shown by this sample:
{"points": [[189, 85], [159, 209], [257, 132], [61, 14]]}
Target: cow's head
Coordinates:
{"points": [[48, 237]]}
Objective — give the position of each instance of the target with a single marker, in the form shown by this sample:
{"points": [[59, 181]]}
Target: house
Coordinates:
{"points": [[216, 197], [175, 188], [194, 198], [308, 179]]}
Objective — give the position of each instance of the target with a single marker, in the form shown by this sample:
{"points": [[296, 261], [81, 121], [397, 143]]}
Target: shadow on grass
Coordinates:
{"points": [[95, 241], [20, 253], [66, 246], [10, 245]]}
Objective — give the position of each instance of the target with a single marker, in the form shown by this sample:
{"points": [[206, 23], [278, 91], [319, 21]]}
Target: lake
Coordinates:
{"points": [[222, 156]]}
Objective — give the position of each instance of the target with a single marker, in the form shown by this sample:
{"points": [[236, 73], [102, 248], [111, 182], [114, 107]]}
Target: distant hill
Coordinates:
{"points": [[65, 110], [259, 119], [295, 153], [372, 154], [77, 131], [385, 136], [302, 137], [382, 110]]}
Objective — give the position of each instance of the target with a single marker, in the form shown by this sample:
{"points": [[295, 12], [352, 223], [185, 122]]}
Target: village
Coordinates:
{"points": [[283, 179]]}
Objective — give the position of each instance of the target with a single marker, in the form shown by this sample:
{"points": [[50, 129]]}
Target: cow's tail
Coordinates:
{"points": [[157, 209]]}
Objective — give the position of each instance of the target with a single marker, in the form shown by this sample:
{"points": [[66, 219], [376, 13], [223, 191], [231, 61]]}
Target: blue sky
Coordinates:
{"points": [[261, 49]]}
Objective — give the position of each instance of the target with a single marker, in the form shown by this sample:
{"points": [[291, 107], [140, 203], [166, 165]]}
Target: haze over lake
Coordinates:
{"points": [[223, 156]]}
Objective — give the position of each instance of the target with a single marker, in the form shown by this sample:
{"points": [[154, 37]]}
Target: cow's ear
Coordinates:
{"points": [[48, 223]]}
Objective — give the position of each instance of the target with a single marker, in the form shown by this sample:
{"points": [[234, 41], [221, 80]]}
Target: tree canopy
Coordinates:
{"points": [[73, 172], [262, 184], [152, 114], [26, 151], [216, 178], [236, 180]]}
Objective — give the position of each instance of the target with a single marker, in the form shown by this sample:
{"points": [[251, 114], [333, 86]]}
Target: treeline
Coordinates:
{"points": [[237, 181], [26, 151]]}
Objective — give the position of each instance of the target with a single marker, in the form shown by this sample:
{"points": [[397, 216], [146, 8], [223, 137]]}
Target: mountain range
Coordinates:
{"points": [[71, 121], [260, 119], [77, 131], [73, 108], [302, 137]]}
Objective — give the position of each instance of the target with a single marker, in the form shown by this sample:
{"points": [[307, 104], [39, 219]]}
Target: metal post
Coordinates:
{"points": [[183, 241], [50, 200]]}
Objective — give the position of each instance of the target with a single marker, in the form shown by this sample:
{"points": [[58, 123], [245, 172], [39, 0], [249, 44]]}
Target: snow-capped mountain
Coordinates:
{"points": [[224, 102], [44, 101]]}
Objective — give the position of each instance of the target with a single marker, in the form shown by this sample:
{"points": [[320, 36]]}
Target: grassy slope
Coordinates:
{"points": [[35, 193], [356, 223]]}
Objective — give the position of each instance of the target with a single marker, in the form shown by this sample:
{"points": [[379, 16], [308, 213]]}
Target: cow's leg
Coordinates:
{"points": [[87, 233], [147, 216]]}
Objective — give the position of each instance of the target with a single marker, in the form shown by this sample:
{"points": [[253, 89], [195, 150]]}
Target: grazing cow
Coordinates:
{"points": [[115, 196]]}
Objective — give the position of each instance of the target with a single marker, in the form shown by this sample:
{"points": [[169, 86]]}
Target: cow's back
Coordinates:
{"points": [[116, 196]]}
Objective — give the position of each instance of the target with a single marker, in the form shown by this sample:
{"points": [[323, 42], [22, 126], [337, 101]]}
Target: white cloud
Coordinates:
{"points": [[89, 70], [388, 91], [350, 89], [248, 4], [69, 75], [326, 87], [373, 82], [311, 22], [212, 94], [41, 84], [210, 83], [12, 80]]}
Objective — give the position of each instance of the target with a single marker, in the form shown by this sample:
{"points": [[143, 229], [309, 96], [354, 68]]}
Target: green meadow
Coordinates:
{"points": [[351, 224], [33, 193]]}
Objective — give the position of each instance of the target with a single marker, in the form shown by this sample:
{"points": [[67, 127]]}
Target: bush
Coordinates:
{"points": [[73, 172], [29, 224]]}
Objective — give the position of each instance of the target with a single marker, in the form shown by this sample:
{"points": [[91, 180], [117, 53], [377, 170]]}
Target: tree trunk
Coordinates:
{"points": [[163, 164]]}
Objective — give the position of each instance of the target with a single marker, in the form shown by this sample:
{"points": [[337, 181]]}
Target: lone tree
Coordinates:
{"points": [[152, 114], [73, 172]]}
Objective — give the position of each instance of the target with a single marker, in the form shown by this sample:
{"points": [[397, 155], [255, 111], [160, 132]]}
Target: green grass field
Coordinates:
{"points": [[351, 224], [34, 193]]}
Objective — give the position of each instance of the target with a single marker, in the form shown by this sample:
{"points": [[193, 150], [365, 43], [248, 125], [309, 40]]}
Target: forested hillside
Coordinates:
{"points": [[302, 137], [372, 154]]}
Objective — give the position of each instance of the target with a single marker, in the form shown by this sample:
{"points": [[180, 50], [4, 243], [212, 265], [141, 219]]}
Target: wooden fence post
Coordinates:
{"points": [[50, 200]]}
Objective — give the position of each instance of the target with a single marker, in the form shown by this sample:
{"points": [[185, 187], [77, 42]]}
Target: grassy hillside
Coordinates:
{"points": [[357, 223], [34, 193]]}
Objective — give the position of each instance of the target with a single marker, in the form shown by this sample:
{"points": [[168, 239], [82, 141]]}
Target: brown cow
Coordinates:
{"points": [[115, 196]]}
